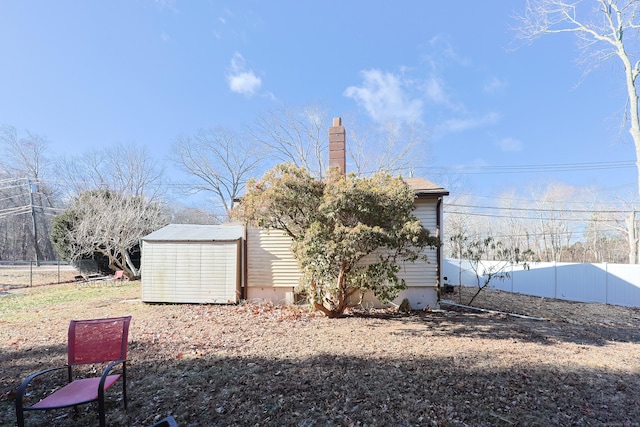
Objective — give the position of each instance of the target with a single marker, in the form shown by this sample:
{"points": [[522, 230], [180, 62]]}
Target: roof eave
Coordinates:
{"points": [[430, 193]]}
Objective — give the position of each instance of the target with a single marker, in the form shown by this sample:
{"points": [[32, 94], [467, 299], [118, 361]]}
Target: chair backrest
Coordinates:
{"points": [[98, 340], [119, 275]]}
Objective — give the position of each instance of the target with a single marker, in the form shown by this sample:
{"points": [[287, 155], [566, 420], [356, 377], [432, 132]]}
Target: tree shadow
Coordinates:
{"points": [[503, 327], [333, 389]]}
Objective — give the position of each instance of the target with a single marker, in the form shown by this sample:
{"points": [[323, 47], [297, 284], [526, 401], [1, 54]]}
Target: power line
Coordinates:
{"points": [[14, 211], [526, 217], [13, 208], [539, 168], [2, 181], [532, 235], [590, 191], [12, 186], [536, 209]]}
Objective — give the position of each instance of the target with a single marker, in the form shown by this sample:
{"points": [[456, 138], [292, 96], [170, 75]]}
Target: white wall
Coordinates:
{"points": [[617, 284]]}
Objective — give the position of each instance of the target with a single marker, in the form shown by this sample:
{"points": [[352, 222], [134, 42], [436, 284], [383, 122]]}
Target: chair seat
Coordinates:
{"points": [[76, 392]]}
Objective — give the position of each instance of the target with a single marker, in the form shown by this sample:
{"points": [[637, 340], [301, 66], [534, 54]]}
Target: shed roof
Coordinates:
{"points": [[196, 233], [424, 188]]}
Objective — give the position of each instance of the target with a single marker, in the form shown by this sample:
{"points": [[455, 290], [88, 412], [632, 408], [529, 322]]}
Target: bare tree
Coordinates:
{"points": [[106, 223], [633, 236], [513, 224], [27, 199], [393, 146], [126, 169], [556, 222], [179, 214], [602, 241], [297, 135], [219, 161], [24, 156], [459, 223], [627, 226], [606, 29]]}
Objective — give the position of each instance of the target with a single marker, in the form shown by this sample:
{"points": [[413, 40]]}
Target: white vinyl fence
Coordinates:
{"points": [[617, 284]]}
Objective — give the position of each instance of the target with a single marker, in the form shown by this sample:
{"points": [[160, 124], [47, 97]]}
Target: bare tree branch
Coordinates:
{"points": [[220, 161], [295, 135], [126, 169], [393, 146], [606, 28], [109, 223]]}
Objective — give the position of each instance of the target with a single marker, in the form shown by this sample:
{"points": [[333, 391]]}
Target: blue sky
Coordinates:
{"points": [[89, 74]]}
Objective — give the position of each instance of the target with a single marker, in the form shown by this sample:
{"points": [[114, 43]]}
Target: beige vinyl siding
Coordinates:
{"points": [[271, 263], [423, 273], [191, 272], [420, 273], [270, 260]]}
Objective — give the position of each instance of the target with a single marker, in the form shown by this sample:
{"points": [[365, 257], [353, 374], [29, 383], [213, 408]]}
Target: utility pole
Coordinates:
{"points": [[33, 188]]}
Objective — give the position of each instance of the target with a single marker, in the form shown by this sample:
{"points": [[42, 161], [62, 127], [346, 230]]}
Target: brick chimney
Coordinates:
{"points": [[337, 145]]}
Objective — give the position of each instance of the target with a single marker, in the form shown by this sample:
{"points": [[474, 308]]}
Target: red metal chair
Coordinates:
{"points": [[98, 341]]}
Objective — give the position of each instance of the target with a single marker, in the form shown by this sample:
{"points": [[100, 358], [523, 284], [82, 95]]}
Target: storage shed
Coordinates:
{"points": [[187, 263]]}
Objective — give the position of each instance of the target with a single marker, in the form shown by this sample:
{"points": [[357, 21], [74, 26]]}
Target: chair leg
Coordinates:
{"points": [[124, 384], [20, 415], [101, 411], [19, 411]]}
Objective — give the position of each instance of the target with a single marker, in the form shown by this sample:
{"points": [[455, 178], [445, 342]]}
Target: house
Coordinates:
{"points": [[273, 273], [257, 264]]}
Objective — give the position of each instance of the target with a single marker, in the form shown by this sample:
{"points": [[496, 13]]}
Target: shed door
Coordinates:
{"points": [[188, 272]]}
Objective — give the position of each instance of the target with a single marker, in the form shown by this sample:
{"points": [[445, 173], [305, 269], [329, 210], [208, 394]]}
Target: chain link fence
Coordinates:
{"points": [[17, 274]]}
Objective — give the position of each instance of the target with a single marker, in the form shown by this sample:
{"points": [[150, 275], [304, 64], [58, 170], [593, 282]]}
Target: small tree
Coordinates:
{"points": [[349, 233], [106, 223], [477, 251]]}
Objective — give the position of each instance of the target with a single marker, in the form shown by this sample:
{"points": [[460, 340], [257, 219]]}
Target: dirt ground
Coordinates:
{"points": [[261, 365]]}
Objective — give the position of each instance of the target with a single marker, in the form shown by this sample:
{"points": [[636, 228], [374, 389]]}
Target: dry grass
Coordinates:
{"points": [[271, 366]]}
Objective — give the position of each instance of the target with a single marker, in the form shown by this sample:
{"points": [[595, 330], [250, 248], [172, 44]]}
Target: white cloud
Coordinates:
{"points": [[165, 36], [435, 91], [240, 79], [446, 50], [167, 4], [461, 125], [494, 85], [510, 144], [384, 96]]}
